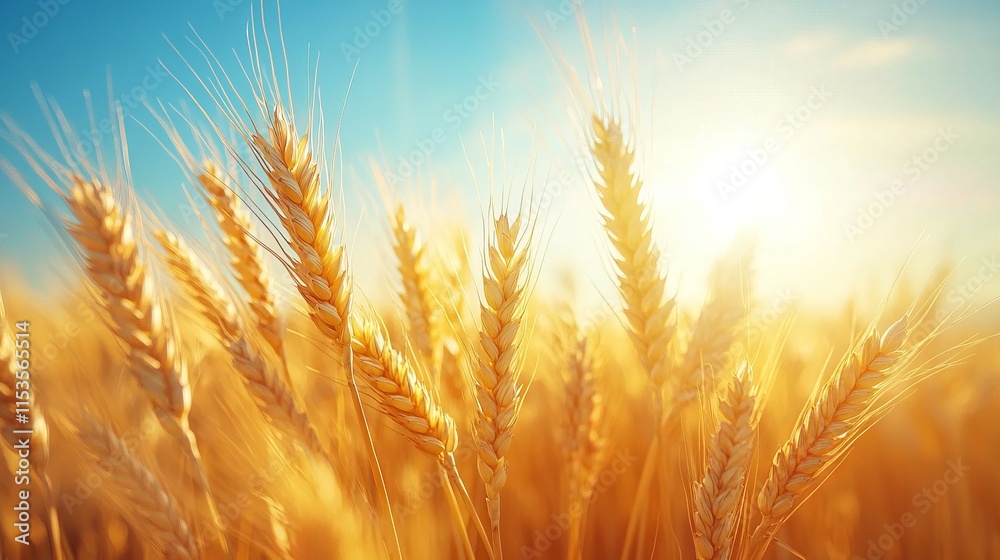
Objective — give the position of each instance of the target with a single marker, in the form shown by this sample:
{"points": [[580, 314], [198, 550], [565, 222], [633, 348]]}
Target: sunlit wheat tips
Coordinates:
{"points": [[826, 430], [506, 271], [718, 497], [138, 491], [246, 255], [263, 383], [626, 217]]}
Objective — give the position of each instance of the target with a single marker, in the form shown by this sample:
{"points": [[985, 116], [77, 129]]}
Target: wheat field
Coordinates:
{"points": [[241, 393]]}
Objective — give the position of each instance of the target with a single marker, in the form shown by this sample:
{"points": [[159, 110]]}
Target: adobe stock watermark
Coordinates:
{"points": [[454, 116], [788, 125], [766, 317], [912, 171], [557, 184], [922, 503], [367, 32], [563, 12], [560, 522], [900, 16], [225, 7], [703, 40], [32, 25]]}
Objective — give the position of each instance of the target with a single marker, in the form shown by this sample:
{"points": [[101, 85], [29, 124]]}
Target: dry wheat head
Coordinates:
{"points": [[145, 500], [246, 255], [506, 271], [266, 387], [718, 496], [320, 269], [399, 393], [827, 428], [626, 218]]}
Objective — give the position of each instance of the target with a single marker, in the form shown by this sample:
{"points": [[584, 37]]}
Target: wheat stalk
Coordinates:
{"points": [[246, 255], [320, 267], [585, 444], [827, 430], [506, 269], [627, 222], [142, 496], [267, 388], [718, 496]]}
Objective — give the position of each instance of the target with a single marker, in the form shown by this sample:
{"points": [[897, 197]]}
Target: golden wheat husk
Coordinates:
{"points": [[106, 236], [266, 386], [398, 391], [626, 217], [584, 409], [246, 256], [715, 330], [825, 432], [506, 271], [718, 497], [154, 511], [418, 302]]}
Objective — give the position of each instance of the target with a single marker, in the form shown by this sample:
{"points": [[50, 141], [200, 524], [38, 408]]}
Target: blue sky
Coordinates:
{"points": [[890, 91]]}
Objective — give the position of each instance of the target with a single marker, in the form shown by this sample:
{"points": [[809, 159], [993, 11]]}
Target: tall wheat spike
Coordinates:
{"points": [[585, 442], [626, 218], [155, 513], [827, 429], [106, 238], [718, 496], [320, 268], [266, 387], [246, 256], [411, 257], [506, 271]]}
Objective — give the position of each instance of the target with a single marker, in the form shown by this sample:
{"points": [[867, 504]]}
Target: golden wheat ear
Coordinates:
{"points": [[418, 302], [626, 217], [266, 387], [142, 497], [718, 497], [584, 419], [836, 418], [246, 256], [507, 269]]}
